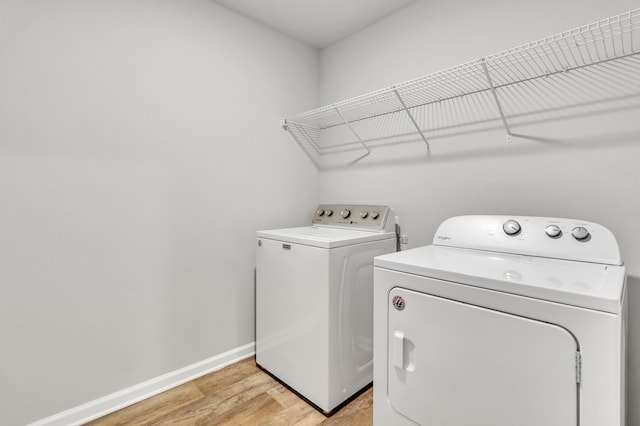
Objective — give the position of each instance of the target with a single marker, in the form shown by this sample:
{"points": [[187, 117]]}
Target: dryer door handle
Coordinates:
{"points": [[398, 350]]}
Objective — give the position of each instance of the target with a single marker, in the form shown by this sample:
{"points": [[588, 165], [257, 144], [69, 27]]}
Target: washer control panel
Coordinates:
{"points": [[557, 238], [369, 217]]}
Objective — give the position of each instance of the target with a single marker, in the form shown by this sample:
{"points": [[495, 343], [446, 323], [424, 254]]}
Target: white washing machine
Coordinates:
{"points": [[502, 321], [314, 301]]}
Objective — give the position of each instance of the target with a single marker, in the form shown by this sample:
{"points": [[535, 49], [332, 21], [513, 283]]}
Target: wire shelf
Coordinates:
{"points": [[593, 63]]}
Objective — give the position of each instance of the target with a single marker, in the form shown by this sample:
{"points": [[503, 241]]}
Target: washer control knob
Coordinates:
{"points": [[553, 231], [375, 215], [511, 227], [329, 212], [364, 214], [320, 212], [345, 213], [580, 233]]}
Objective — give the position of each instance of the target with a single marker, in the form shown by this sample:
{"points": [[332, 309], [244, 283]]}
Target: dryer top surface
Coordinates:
{"points": [[582, 284]]}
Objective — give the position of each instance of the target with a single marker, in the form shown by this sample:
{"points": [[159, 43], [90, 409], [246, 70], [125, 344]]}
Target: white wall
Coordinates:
{"points": [[139, 153], [581, 168]]}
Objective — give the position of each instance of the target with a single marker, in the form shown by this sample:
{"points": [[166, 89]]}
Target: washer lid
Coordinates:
{"points": [[323, 237], [588, 285]]}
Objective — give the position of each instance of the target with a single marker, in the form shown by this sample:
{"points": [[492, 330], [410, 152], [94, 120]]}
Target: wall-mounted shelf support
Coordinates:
{"points": [[404, 106], [592, 65], [346, 123], [496, 99]]}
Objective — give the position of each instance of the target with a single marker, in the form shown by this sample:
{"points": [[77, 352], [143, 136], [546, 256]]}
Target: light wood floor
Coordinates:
{"points": [[240, 394]]}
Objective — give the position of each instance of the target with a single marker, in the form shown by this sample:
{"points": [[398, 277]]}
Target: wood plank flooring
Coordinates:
{"points": [[240, 394]]}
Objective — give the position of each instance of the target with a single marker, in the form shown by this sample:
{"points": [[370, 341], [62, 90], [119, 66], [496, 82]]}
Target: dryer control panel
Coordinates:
{"points": [[558, 238], [365, 217]]}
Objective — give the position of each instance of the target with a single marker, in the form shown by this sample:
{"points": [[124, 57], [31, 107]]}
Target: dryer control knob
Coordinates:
{"points": [[319, 212], [375, 215], [364, 214], [553, 231], [511, 227], [329, 212], [580, 233], [345, 213]]}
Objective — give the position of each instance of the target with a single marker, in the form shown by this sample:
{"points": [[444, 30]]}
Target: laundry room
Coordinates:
{"points": [[144, 143]]}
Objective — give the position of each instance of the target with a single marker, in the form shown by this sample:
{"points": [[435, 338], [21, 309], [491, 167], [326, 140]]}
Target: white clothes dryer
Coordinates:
{"points": [[502, 321], [314, 301]]}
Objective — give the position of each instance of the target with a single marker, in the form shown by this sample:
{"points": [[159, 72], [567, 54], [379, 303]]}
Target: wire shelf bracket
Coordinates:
{"points": [[495, 97], [346, 123], [404, 106]]}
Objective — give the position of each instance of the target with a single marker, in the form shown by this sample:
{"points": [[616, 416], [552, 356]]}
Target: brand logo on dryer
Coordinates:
{"points": [[444, 237]]}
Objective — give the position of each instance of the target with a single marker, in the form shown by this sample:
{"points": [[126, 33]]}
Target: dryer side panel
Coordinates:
{"points": [[452, 363]]}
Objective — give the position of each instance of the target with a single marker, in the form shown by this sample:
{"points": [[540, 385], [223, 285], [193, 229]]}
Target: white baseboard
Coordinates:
{"points": [[118, 400]]}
